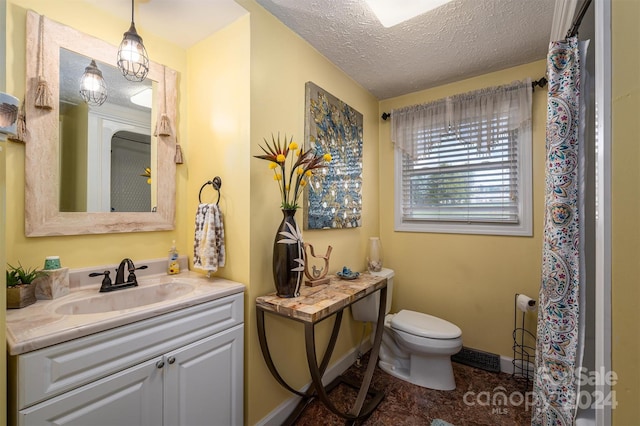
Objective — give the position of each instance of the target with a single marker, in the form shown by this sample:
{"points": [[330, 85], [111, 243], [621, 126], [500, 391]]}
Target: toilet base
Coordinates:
{"points": [[433, 372]]}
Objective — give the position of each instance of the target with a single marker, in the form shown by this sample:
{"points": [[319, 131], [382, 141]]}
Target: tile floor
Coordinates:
{"points": [[477, 400]]}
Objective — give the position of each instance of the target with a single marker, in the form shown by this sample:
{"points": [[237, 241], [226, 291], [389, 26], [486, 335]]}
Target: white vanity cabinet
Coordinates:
{"points": [[180, 368]]}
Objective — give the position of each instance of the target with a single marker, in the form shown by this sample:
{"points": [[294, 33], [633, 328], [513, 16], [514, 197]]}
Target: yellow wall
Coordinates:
{"points": [[626, 209], [281, 63], [219, 143], [3, 259], [81, 251], [467, 279]]}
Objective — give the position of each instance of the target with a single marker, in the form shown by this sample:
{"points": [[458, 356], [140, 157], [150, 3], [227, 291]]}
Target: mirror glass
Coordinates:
{"points": [[105, 150], [95, 169]]}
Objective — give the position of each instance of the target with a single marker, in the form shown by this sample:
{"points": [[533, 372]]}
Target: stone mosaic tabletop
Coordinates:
{"points": [[317, 303]]}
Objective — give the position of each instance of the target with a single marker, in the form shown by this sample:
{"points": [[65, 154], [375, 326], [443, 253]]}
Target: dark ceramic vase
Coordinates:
{"points": [[288, 256]]}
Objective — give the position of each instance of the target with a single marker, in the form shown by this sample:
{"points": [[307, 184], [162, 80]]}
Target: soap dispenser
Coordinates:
{"points": [[173, 266]]}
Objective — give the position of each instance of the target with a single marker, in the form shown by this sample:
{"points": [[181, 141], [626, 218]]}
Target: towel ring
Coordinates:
{"points": [[216, 182]]}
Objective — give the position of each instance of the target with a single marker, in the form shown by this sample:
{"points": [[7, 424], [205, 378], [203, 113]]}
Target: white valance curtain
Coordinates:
{"points": [[424, 124]]}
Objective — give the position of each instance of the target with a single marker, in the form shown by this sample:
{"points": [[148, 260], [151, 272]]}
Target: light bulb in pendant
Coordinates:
{"points": [[93, 88], [133, 60]]}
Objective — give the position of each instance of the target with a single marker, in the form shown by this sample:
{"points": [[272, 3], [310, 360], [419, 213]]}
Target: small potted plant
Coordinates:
{"points": [[21, 291]]}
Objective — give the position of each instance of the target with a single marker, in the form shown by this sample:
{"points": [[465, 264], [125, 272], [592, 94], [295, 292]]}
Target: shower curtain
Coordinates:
{"points": [[560, 329]]}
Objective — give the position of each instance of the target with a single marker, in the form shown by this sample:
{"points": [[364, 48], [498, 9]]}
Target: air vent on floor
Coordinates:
{"points": [[479, 359]]}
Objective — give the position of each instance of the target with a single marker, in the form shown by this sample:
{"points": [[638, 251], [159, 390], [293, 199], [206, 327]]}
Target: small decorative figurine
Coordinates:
{"points": [[347, 274], [317, 276]]}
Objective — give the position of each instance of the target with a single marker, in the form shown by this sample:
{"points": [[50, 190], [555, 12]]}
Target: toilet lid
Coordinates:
{"points": [[424, 325]]}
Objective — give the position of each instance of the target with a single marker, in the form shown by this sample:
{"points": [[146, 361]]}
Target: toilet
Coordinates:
{"points": [[415, 347]]}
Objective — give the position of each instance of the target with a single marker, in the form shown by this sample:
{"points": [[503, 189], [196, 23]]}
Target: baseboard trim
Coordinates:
{"points": [[281, 412], [506, 365]]}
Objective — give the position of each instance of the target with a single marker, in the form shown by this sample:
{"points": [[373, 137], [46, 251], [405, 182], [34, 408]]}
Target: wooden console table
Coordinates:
{"points": [[314, 305]]}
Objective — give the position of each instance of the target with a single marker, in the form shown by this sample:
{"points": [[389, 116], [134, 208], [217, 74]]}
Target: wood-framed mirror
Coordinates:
{"points": [[44, 175]]}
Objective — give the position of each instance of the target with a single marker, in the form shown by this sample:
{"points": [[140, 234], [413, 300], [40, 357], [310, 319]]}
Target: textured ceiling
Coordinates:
{"points": [[461, 39]]}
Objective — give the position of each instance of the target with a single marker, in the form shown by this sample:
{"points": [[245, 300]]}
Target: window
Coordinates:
{"points": [[463, 164]]}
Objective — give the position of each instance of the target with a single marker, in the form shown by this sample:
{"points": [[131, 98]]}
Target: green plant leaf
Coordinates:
{"points": [[23, 275]]}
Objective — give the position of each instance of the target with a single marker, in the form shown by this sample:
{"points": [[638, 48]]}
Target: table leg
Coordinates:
{"points": [[373, 360], [310, 394], [357, 411], [264, 346]]}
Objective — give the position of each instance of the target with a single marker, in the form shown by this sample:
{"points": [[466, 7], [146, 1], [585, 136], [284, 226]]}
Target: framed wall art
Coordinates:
{"points": [[334, 197]]}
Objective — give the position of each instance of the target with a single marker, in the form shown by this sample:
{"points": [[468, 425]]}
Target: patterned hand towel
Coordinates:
{"points": [[208, 247]]}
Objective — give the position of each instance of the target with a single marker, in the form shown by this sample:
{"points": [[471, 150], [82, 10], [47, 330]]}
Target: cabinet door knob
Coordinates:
{"points": [[171, 360], [160, 364]]}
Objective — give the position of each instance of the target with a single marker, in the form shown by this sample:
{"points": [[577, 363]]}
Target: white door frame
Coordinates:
{"points": [[602, 14]]}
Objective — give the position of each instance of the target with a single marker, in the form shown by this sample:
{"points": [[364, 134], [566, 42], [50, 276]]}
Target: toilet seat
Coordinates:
{"points": [[423, 325]]}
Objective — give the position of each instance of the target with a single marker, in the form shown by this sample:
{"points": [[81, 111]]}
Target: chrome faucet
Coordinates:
{"points": [[120, 283]]}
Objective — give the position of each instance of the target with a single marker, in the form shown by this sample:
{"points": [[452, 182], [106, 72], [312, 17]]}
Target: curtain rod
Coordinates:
{"points": [[573, 31], [541, 82]]}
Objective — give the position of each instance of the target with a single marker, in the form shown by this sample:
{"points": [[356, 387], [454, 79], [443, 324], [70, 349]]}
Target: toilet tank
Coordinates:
{"points": [[367, 308]]}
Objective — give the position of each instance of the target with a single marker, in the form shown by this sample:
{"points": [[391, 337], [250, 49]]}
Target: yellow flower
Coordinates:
{"points": [[276, 152], [147, 174]]}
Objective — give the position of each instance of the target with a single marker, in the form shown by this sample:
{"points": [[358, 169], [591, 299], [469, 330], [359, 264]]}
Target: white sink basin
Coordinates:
{"points": [[125, 299]]}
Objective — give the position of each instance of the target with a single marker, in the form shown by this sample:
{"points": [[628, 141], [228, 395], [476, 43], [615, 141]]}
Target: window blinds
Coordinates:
{"points": [[455, 181], [463, 172]]}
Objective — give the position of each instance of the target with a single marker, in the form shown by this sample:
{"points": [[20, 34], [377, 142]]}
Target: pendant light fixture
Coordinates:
{"points": [[93, 89], [133, 60]]}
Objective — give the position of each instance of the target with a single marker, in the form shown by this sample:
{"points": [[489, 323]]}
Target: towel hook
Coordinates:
{"points": [[216, 182]]}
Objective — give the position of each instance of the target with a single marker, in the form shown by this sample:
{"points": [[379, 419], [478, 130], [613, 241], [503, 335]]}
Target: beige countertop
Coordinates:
{"points": [[316, 303], [45, 323]]}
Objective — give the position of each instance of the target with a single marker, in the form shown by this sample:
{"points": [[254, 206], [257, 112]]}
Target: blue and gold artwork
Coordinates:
{"points": [[334, 196]]}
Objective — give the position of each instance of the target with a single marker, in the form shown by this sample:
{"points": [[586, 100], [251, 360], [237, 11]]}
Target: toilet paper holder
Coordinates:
{"points": [[523, 340]]}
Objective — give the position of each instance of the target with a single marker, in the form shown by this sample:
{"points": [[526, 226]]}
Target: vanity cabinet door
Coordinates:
{"points": [[203, 382], [131, 397]]}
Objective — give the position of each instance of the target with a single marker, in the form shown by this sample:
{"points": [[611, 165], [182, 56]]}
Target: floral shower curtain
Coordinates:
{"points": [[560, 316]]}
